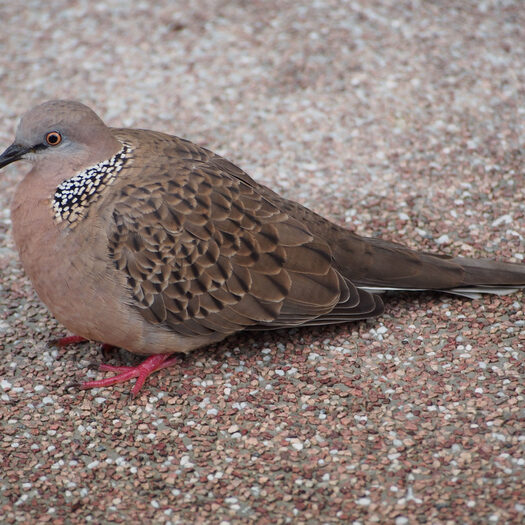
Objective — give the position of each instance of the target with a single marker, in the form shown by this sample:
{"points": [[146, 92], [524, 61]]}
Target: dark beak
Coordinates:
{"points": [[13, 153]]}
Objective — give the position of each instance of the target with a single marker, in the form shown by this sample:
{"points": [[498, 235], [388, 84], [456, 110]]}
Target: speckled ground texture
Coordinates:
{"points": [[398, 118]]}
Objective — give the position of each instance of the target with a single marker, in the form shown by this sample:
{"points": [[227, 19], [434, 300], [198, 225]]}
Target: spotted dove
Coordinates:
{"points": [[148, 242]]}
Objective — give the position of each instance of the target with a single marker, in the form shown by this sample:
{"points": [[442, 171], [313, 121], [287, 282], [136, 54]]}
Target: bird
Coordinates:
{"points": [[148, 242]]}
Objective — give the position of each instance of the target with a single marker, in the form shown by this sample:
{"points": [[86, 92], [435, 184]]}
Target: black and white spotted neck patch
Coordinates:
{"points": [[73, 197]]}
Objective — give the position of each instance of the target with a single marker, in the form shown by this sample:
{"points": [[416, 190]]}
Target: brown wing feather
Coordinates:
{"points": [[205, 249]]}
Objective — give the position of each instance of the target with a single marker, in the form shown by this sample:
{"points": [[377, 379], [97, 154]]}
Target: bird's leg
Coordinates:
{"points": [[68, 340], [76, 339], [125, 373]]}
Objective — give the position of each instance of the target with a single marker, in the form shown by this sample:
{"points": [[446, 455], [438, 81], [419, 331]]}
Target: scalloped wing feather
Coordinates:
{"points": [[205, 249]]}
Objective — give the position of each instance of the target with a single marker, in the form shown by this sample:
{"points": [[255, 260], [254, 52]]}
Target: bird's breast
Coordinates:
{"points": [[65, 265]]}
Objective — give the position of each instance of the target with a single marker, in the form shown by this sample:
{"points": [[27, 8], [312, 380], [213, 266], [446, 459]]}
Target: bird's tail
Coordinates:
{"points": [[377, 266], [488, 276]]}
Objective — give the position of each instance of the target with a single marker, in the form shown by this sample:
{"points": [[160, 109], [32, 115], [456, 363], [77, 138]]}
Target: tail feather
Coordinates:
{"points": [[376, 265], [475, 292], [472, 292], [491, 273]]}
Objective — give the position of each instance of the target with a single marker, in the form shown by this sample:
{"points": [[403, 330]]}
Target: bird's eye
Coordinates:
{"points": [[53, 138]]}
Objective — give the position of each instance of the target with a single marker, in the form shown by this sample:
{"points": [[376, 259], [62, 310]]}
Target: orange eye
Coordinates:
{"points": [[53, 138]]}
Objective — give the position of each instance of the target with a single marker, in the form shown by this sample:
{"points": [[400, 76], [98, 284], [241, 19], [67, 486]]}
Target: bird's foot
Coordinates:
{"points": [[125, 373]]}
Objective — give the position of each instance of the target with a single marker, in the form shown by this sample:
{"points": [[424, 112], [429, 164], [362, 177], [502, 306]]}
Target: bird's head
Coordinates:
{"points": [[61, 133]]}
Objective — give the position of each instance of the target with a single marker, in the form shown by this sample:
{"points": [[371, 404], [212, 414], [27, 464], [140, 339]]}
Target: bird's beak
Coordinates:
{"points": [[13, 153]]}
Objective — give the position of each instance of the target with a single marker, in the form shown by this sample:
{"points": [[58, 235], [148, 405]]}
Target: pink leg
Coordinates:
{"points": [[76, 339], [141, 372], [69, 340]]}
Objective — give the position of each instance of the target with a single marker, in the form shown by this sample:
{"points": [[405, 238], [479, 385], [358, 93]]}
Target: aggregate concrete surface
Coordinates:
{"points": [[404, 119]]}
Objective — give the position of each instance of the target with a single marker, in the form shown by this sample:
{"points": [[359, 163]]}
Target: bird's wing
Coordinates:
{"points": [[203, 250]]}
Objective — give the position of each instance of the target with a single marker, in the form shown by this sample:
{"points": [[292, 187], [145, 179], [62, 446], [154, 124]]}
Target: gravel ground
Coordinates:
{"points": [[398, 118]]}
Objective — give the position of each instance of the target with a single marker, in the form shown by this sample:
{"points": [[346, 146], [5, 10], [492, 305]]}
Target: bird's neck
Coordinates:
{"points": [[73, 197], [66, 192]]}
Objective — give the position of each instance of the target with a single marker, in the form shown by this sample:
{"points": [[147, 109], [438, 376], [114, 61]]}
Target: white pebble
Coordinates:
{"points": [[442, 239]]}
